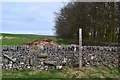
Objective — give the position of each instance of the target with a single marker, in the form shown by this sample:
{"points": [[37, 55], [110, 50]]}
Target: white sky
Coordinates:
{"points": [[27, 17]]}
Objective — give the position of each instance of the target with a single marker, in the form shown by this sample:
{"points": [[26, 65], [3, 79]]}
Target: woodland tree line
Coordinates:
{"points": [[99, 21]]}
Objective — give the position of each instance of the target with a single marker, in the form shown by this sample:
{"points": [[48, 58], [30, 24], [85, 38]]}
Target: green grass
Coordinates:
{"points": [[85, 72], [12, 41], [27, 36], [30, 37], [20, 41], [63, 43], [94, 76]]}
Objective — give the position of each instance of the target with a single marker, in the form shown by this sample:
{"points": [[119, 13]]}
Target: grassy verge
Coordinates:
{"points": [[85, 72]]}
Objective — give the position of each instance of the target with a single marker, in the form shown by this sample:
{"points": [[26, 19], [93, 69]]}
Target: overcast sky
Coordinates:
{"points": [[29, 17]]}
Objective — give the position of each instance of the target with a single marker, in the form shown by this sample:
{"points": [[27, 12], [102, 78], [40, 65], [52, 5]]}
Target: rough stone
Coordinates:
{"points": [[49, 57]]}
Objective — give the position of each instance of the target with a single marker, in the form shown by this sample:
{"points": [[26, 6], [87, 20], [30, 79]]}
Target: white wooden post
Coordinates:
{"points": [[80, 48]]}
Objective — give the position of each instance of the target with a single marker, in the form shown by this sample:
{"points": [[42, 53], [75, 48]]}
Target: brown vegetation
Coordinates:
{"points": [[41, 41]]}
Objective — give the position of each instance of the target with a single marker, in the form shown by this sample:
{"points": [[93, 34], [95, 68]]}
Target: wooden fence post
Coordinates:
{"points": [[80, 48]]}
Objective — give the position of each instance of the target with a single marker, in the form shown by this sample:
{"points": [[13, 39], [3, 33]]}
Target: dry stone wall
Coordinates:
{"points": [[50, 57]]}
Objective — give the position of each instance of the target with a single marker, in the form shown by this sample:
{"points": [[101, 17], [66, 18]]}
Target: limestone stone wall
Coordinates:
{"points": [[50, 57]]}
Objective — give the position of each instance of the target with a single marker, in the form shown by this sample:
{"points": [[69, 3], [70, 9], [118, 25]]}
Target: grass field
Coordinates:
{"points": [[25, 36], [12, 41], [85, 72], [20, 41]]}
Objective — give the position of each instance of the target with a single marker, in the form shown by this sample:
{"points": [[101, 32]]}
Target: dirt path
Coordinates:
{"points": [[5, 37]]}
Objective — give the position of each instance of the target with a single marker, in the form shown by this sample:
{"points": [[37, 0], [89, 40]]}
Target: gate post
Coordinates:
{"points": [[80, 48]]}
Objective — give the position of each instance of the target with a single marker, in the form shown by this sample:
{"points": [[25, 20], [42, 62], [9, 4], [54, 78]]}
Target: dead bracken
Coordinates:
{"points": [[41, 41]]}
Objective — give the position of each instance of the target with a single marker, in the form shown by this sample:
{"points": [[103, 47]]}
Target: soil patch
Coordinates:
{"points": [[5, 37]]}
